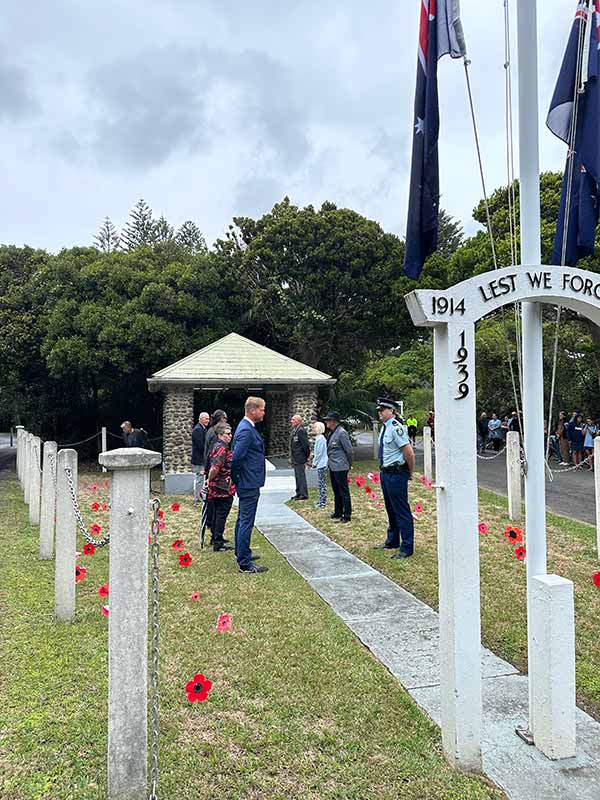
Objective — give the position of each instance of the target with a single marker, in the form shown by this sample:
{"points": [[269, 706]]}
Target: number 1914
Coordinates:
{"points": [[443, 305]]}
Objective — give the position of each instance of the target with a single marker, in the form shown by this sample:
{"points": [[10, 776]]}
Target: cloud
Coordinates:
{"points": [[16, 97]]}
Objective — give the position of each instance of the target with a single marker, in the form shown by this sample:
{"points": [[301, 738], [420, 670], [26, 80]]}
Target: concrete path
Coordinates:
{"points": [[402, 632]]}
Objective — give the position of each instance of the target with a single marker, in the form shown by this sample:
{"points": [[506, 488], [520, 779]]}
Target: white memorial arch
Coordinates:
{"points": [[453, 314]]}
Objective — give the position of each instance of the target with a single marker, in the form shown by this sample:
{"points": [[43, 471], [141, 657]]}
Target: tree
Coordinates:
{"points": [[163, 232], [107, 239], [450, 234], [189, 235], [141, 228]]}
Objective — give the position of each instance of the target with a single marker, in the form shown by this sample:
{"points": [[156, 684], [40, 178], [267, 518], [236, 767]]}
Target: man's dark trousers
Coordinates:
{"points": [[300, 473], [342, 505], [221, 506], [248, 503], [400, 519]]}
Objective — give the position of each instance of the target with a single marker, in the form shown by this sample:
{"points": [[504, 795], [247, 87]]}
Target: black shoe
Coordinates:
{"points": [[302, 497], [384, 547], [335, 516], [345, 519], [253, 569], [400, 554], [295, 497], [222, 547]]}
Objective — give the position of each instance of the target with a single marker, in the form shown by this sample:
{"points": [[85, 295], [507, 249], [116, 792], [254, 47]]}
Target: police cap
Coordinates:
{"points": [[385, 402]]}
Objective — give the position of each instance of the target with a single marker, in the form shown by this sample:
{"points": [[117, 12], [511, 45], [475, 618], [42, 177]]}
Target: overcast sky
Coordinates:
{"points": [[212, 109]]}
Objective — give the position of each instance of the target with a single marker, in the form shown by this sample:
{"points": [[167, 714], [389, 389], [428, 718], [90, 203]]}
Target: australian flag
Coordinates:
{"points": [[440, 33], [574, 117]]}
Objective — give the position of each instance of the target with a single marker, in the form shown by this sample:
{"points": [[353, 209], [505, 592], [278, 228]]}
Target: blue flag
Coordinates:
{"points": [[440, 33], [574, 117]]}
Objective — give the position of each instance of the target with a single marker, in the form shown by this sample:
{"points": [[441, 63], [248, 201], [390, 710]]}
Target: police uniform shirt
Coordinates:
{"points": [[393, 437]]}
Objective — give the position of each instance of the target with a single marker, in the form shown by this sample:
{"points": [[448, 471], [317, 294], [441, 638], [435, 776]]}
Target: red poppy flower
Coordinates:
{"points": [[104, 610], [224, 623], [198, 688], [378, 505], [423, 478], [513, 534], [95, 506], [368, 489], [104, 506], [350, 481], [195, 596], [376, 478], [185, 560], [175, 507], [161, 513], [95, 529], [482, 528], [418, 508], [93, 488], [520, 553], [161, 525], [106, 484], [88, 549], [596, 578], [360, 481], [178, 544], [103, 590], [80, 573], [428, 484]]}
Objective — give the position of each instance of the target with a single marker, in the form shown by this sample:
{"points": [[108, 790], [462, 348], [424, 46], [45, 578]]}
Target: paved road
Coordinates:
{"points": [[570, 494]]}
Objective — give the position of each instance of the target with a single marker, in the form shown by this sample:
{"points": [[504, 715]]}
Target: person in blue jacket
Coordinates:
{"points": [[248, 474]]}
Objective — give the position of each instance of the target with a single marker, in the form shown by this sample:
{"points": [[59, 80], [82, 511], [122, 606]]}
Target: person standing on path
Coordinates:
{"points": [[198, 442], [590, 430], [396, 465], [412, 424], [248, 475], [220, 486], [299, 453], [340, 456], [482, 432], [133, 437], [494, 428], [563, 439], [319, 462]]}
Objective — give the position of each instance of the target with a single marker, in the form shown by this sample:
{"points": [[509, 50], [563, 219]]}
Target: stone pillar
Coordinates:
{"points": [[597, 487], [513, 475], [48, 509], [552, 666], [303, 400], [376, 440], [103, 443], [128, 620], [279, 423], [36, 481], [20, 430], [178, 421], [27, 468], [64, 563], [427, 453]]}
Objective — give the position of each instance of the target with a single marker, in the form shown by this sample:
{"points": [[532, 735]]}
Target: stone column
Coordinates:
{"points": [[48, 509], [303, 401], [279, 422], [27, 468], [178, 421], [20, 430], [36, 481], [513, 475], [597, 487], [427, 453], [64, 563], [128, 620], [376, 440]]}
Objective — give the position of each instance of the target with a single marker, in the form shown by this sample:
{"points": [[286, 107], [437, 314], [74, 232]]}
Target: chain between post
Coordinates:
{"points": [[96, 542], [154, 651]]}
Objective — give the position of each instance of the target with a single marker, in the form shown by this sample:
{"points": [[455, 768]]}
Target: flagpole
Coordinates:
{"points": [[533, 388]]}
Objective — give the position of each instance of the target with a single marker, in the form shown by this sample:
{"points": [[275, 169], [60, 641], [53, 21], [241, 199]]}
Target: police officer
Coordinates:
{"points": [[396, 464]]}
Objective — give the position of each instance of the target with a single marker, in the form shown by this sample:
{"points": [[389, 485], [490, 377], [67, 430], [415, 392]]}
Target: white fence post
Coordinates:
{"points": [[513, 475], [48, 509], [20, 430], [66, 539], [27, 473], [597, 486], [553, 666], [36, 481], [128, 620], [427, 454], [375, 440], [104, 445]]}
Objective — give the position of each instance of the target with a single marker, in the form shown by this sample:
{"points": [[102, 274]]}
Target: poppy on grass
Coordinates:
{"points": [[520, 553], [80, 573], [175, 507], [104, 610], [350, 481], [178, 545], [418, 508], [103, 590], [95, 529], [482, 528], [88, 549], [161, 525], [93, 488], [224, 623], [95, 506], [368, 489], [161, 513], [596, 579], [106, 484], [104, 506], [195, 596], [428, 483], [198, 688], [360, 481], [423, 478], [376, 477], [185, 560], [513, 534]]}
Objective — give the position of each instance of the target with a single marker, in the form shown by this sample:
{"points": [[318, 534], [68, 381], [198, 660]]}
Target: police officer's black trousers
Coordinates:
{"points": [[400, 519], [342, 505]]}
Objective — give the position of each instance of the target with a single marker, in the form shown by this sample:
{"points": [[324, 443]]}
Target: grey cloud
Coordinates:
{"points": [[16, 97], [257, 194]]}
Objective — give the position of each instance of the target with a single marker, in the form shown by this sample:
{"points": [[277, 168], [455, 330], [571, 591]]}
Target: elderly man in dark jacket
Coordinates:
{"points": [[198, 442], [299, 453]]}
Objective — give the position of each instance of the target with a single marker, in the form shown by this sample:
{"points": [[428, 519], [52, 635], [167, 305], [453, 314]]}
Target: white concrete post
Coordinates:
{"points": [[48, 509], [104, 445], [128, 620], [513, 475], [458, 545], [20, 430], [66, 539], [27, 473], [552, 623], [597, 486], [36, 481], [376, 440], [427, 454]]}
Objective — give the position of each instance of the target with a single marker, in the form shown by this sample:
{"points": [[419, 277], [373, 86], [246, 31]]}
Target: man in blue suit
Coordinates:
{"points": [[248, 474]]}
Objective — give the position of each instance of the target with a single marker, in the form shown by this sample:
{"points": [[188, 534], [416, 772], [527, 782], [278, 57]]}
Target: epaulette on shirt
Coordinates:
{"points": [[395, 423]]}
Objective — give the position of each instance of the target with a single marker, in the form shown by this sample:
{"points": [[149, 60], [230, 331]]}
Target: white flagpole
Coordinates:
{"points": [[533, 388]]}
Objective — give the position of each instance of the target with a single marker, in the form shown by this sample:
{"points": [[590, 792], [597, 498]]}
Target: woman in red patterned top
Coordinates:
{"points": [[220, 486]]}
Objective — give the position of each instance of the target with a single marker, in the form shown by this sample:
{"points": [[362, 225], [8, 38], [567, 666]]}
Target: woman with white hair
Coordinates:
{"points": [[319, 462]]}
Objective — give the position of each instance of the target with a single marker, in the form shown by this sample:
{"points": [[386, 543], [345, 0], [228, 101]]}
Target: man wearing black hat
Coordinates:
{"points": [[339, 458], [396, 465]]}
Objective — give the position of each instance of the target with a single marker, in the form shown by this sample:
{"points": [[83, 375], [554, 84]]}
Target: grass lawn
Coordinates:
{"points": [[571, 554], [299, 709]]}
